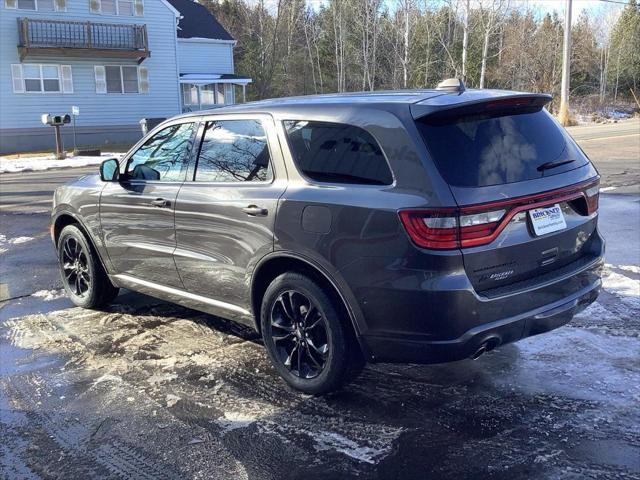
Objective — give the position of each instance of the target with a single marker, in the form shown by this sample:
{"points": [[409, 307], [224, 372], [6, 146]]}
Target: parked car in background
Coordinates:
{"points": [[416, 226]]}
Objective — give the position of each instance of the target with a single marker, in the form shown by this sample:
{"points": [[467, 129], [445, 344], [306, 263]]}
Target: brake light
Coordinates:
{"points": [[436, 229], [471, 226], [450, 228], [593, 196]]}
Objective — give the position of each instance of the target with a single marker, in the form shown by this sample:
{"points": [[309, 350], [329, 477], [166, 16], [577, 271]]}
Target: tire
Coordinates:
{"points": [[299, 320], [83, 275]]}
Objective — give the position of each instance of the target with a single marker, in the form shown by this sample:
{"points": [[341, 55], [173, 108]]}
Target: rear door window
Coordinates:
{"points": [[482, 149], [234, 151], [337, 153]]}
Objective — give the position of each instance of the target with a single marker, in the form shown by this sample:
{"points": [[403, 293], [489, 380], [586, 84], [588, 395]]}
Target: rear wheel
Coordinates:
{"points": [[83, 276], [309, 344]]}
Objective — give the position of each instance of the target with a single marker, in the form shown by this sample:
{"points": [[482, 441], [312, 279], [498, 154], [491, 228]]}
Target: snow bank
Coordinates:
{"points": [[46, 162]]}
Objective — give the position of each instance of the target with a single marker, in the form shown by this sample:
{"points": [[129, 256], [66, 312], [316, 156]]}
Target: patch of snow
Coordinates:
{"points": [[18, 240], [629, 268], [107, 378], [161, 378], [48, 295], [625, 288], [235, 420], [334, 441], [46, 162], [4, 243], [607, 189], [172, 400]]}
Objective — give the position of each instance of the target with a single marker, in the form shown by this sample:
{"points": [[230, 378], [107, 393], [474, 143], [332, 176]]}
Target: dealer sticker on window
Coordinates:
{"points": [[547, 220]]}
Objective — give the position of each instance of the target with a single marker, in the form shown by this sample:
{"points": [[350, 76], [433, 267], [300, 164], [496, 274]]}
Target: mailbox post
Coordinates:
{"points": [[57, 121]]}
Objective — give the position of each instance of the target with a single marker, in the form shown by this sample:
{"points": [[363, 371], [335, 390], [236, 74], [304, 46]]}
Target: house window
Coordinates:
{"points": [[117, 7], [189, 94], [37, 5], [210, 94], [207, 95], [37, 78], [121, 79]]}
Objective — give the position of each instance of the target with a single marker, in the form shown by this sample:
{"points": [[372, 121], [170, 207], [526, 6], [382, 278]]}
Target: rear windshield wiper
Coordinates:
{"points": [[549, 165]]}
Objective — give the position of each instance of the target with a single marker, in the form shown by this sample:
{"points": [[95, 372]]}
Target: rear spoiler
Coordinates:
{"points": [[478, 101]]}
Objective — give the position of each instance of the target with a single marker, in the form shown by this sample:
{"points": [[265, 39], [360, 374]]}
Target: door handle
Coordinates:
{"points": [[161, 203], [255, 211]]}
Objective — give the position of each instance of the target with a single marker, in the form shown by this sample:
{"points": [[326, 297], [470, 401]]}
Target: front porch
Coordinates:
{"points": [[205, 91]]}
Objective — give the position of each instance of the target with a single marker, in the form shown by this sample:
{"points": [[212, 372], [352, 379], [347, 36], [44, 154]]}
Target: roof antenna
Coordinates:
{"points": [[452, 85]]}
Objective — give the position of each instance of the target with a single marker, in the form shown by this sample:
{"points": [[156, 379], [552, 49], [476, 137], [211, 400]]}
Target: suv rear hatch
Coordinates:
{"points": [[527, 195]]}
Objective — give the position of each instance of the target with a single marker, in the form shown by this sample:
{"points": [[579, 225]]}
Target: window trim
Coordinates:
{"points": [[124, 161], [310, 180], [191, 175]]}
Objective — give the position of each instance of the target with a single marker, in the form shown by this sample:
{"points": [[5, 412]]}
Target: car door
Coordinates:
{"points": [[225, 212], [137, 212]]}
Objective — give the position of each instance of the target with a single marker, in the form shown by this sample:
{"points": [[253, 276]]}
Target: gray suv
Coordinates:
{"points": [[412, 226]]}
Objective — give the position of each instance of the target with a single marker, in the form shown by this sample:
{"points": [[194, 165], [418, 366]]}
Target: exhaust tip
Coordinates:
{"points": [[486, 347], [481, 351]]}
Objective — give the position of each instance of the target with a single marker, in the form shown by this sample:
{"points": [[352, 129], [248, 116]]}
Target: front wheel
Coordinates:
{"points": [[83, 276], [310, 345]]}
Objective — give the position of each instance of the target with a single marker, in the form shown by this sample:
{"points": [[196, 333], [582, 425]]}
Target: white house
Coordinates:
{"points": [[118, 61]]}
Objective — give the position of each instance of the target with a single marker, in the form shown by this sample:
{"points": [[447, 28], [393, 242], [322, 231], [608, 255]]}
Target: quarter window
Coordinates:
{"points": [[164, 157], [337, 153], [234, 151]]}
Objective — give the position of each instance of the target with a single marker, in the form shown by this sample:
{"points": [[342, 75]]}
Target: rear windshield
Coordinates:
{"points": [[482, 149]]}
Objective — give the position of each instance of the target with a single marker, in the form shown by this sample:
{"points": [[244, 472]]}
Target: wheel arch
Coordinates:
{"points": [[277, 263]]}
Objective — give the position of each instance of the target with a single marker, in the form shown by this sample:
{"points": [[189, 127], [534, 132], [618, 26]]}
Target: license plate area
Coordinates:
{"points": [[547, 219]]}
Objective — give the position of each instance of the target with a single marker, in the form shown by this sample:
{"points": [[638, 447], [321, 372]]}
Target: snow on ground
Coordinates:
{"points": [[46, 162], [49, 295], [4, 243]]}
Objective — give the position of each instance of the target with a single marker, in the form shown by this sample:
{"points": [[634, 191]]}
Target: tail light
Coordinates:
{"points": [[592, 195], [471, 226]]}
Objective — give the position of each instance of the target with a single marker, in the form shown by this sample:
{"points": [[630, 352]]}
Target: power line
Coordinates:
{"points": [[614, 1]]}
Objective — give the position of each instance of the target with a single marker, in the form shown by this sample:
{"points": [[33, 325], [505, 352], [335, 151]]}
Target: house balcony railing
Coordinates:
{"points": [[60, 37]]}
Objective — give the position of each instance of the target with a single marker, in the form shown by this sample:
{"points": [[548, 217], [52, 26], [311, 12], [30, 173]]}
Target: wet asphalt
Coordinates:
{"points": [[150, 390]]}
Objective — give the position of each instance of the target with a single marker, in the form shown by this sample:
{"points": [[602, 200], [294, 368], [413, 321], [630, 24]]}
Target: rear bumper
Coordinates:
{"points": [[451, 322], [540, 320]]}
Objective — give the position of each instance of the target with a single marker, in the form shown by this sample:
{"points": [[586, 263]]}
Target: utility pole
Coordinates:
{"points": [[566, 67]]}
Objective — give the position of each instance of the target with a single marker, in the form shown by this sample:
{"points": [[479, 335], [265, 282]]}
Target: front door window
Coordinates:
{"points": [[164, 157]]}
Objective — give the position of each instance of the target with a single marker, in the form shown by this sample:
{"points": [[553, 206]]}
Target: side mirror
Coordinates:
{"points": [[109, 170]]}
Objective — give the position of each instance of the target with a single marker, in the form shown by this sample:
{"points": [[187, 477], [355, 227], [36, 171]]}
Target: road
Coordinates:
{"points": [[615, 150], [150, 390]]}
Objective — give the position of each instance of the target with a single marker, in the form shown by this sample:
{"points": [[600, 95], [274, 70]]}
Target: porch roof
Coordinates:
{"points": [[208, 78]]}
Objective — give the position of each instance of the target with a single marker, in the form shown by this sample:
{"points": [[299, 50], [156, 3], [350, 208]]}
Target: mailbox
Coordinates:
{"points": [[55, 120]]}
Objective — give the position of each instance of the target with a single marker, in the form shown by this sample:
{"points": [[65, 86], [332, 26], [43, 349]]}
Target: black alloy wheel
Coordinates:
{"points": [[75, 267], [83, 276], [299, 330], [308, 334]]}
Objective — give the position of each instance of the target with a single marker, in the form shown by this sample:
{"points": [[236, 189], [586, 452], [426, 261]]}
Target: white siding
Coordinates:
{"points": [[23, 110], [205, 57]]}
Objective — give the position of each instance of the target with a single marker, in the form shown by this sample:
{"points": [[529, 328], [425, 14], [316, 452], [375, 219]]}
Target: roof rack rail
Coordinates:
{"points": [[452, 85]]}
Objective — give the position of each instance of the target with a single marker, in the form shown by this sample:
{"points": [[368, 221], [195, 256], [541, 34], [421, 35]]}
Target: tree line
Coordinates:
{"points": [[294, 47]]}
